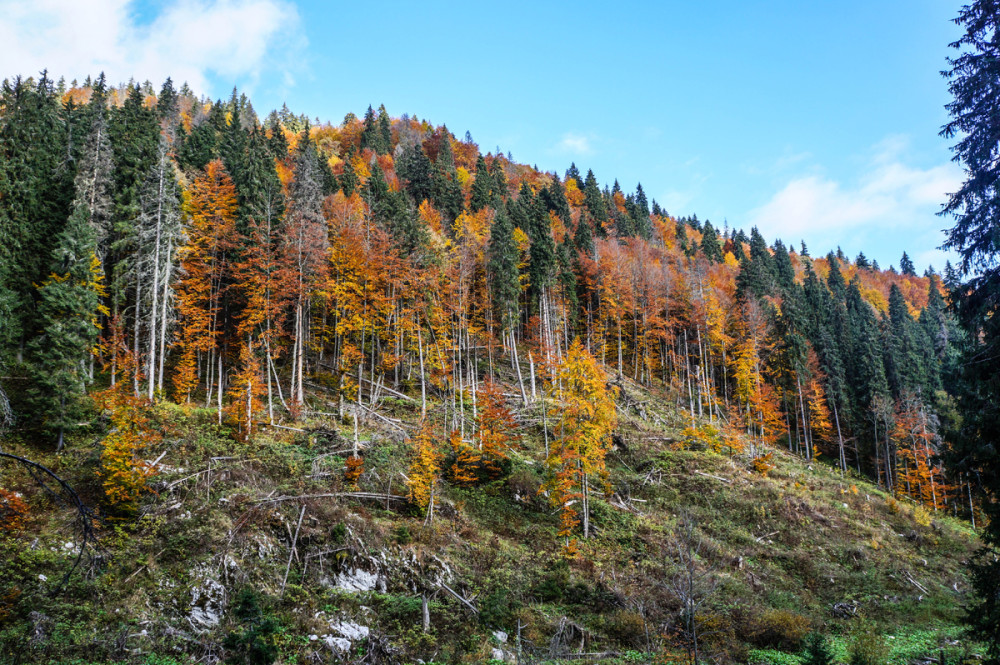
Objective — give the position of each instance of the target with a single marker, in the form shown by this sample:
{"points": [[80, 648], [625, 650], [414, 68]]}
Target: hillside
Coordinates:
{"points": [[794, 549], [283, 392]]}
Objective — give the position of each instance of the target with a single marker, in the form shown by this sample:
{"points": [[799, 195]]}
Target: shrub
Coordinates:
{"points": [[626, 627], [867, 645], [256, 642], [780, 629], [817, 650]]}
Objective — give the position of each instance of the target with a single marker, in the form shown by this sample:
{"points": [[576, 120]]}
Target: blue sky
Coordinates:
{"points": [[815, 121]]}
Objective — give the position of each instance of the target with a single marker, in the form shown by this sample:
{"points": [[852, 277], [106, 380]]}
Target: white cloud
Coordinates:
{"points": [[187, 39], [575, 144], [891, 202]]}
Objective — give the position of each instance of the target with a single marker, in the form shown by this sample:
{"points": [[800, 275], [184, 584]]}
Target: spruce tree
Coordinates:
{"points": [[972, 80], [503, 275], [384, 140], [906, 266], [593, 200], [499, 182], [482, 187], [415, 170], [39, 167], [903, 354], [68, 308]]}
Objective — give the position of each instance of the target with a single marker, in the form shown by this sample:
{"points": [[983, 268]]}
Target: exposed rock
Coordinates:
{"points": [[355, 580], [208, 600]]}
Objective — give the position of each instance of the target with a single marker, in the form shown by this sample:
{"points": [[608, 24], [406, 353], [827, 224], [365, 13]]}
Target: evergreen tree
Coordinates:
{"points": [[757, 276], [384, 141], [499, 182], [69, 304], [906, 266], [973, 78], [710, 245], [503, 275], [864, 357], [554, 199], [903, 358], [583, 239], [369, 132], [835, 280], [482, 187], [817, 651], [199, 147], [349, 180], [36, 196], [862, 261], [416, 171], [446, 192], [594, 202], [572, 173]]}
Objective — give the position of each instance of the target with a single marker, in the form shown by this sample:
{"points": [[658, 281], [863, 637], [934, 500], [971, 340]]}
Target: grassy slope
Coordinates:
{"points": [[782, 549]]}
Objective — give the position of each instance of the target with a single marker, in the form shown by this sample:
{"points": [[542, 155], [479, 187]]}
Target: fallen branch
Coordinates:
{"points": [[460, 598], [708, 475], [337, 495]]}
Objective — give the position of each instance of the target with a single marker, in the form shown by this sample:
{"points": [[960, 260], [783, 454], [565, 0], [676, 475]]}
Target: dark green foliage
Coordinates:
{"points": [[865, 365], [904, 356], [906, 266], [757, 276], [573, 173], [384, 145], [413, 168], [446, 193], [530, 215], [200, 147], [67, 310], [503, 275], [554, 199], [482, 187], [499, 182], [349, 180], [972, 81], [37, 188], [817, 650], [252, 641], [583, 238], [593, 200], [370, 138], [710, 245]]}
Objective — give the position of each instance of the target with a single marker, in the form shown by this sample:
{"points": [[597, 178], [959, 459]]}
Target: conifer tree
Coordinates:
{"points": [[594, 202], [906, 266], [974, 75], [503, 275], [482, 187], [69, 306], [710, 246]]}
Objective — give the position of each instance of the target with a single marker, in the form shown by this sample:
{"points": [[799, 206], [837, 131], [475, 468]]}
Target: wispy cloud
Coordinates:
{"points": [[890, 201], [575, 144], [188, 40]]}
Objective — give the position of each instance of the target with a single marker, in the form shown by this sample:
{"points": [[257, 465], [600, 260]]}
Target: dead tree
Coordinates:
{"points": [[692, 580], [63, 493]]}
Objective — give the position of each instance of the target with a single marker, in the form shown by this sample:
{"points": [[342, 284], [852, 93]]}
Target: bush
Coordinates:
{"points": [[626, 627], [867, 645], [779, 629], [256, 642], [817, 650]]}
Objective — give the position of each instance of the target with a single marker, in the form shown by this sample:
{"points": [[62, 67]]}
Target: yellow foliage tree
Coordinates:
{"points": [[425, 470], [585, 415]]}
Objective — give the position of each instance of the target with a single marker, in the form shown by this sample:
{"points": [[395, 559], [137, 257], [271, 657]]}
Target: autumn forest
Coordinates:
{"points": [[165, 257]]}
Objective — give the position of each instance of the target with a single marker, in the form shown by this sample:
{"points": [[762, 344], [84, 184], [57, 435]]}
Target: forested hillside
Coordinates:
{"points": [[183, 284]]}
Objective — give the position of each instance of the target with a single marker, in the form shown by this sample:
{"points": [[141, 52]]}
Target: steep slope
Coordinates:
{"points": [[262, 553]]}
